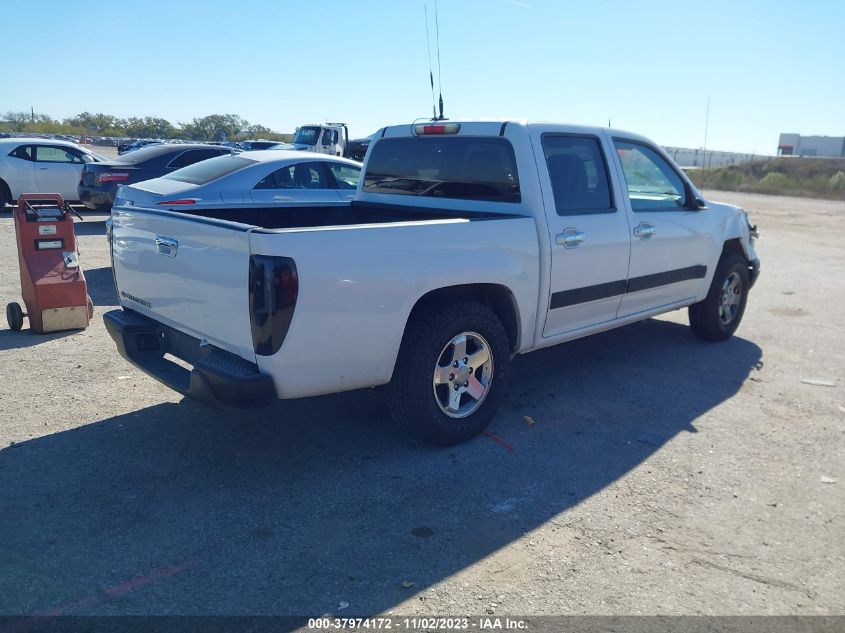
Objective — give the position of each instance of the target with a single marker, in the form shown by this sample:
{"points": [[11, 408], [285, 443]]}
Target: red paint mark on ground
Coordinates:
{"points": [[125, 587], [499, 441], [120, 589], [71, 607]]}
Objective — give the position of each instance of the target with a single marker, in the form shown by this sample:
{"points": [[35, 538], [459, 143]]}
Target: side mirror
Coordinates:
{"points": [[699, 203]]}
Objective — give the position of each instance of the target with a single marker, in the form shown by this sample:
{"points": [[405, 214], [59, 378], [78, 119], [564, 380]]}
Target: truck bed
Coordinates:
{"points": [[305, 216], [360, 269]]}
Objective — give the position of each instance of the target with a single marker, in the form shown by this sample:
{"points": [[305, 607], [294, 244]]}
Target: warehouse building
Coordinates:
{"points": [[820, 146]]}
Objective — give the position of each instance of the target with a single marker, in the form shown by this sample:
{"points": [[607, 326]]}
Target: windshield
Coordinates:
{"points": [[145, 153], [307, 135], [205, 171], [444, 167]]}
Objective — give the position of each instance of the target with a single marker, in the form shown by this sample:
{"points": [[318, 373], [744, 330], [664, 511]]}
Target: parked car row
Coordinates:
{"points": [[132, 144], [31, 165]]}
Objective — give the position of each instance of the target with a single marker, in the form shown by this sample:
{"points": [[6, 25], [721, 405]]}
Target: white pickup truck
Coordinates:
{"points": [[466, 243]]}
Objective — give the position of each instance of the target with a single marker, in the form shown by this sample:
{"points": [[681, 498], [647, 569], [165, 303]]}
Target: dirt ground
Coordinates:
{"points": [[662, 475]]}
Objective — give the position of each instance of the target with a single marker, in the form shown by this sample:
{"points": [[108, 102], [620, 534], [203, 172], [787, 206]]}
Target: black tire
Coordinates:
{"points": [[411, 393], [14, 316], [706, 317], [5, 196], [90, 303]]}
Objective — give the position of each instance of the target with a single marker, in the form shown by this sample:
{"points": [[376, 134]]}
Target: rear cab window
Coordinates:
{"points": [[209, 170], [459, 167]]}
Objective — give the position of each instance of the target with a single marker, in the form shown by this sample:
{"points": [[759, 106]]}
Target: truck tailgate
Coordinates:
{"points": [[190, 275]]}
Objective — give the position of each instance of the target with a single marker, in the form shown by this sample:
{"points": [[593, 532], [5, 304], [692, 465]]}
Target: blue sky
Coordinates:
{"points": [[768, 67]]}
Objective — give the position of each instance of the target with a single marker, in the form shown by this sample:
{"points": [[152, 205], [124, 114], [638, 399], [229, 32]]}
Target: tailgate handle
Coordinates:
{"points": [[166, 246]]}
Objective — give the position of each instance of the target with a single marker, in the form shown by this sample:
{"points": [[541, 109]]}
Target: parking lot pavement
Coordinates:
{"points": [[660, 474], [109, 153]]}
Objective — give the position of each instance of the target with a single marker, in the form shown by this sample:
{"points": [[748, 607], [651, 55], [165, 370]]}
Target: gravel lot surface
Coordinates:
{"points": [[662, 475]]}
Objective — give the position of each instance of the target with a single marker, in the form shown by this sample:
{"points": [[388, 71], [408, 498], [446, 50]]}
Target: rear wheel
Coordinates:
{"points": [[718, 316], [451, 374], [14, 316], [90, 305]]}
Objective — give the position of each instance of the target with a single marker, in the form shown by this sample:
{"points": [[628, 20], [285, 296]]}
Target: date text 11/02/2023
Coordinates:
{"points": [[416, 624]]}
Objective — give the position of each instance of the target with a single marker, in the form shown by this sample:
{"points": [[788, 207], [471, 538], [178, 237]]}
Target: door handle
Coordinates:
{"points": [[166, 246], [644, 230], [42, 168], [570, 238]]}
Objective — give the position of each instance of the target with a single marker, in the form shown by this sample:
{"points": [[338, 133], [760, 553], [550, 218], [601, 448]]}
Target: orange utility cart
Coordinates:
{"points": [[52, 283]]}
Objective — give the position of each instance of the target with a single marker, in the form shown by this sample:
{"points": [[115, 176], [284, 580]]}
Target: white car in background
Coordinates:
{"points": [[264, 177], [38, 165]]}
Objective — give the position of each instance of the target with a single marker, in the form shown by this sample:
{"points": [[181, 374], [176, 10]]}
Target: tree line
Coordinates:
{"points": [[214, 127]]}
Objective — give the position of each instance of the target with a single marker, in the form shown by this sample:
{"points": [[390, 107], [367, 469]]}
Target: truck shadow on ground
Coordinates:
{"points": [[101, 288], [176, 509], [21, 339]]}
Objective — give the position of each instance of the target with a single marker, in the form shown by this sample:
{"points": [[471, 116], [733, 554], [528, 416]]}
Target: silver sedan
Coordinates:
{"points": [[261, 177]]}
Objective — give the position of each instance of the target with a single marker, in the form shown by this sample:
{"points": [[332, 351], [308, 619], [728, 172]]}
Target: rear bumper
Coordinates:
{"points": [[218, 378], [96, 199]]}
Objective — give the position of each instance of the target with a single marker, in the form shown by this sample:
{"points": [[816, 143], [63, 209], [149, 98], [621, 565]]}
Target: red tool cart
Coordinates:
{"points": [[52, 283]]}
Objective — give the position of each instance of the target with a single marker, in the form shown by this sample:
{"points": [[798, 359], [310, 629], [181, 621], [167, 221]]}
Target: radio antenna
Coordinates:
{"points": [[439, 76], [430, 72], [704, 161]]}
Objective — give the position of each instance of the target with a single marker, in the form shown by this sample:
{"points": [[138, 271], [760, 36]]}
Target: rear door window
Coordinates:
{"points": [[578, 174], [467, 168], [24, 152]]}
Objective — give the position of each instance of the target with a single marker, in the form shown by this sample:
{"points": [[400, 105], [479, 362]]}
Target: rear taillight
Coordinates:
{"points": [[110, 176], [287, 286], [273, 290], [184, 201], [436, 128]]}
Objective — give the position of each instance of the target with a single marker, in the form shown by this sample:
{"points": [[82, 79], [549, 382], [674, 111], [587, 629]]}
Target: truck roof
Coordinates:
{"points": [[497, 127]]}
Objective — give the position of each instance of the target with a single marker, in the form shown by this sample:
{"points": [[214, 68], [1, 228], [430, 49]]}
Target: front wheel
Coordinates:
{"points": [[451, 374], [718, 316]]}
